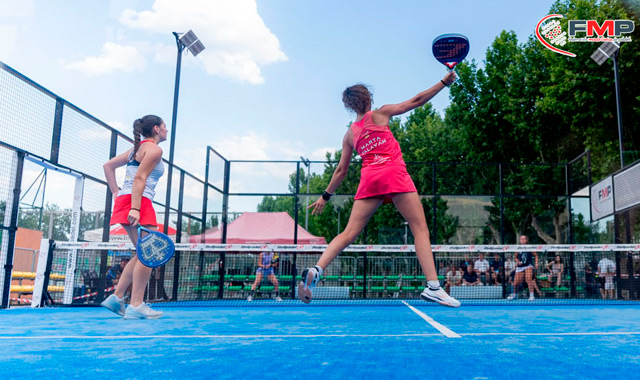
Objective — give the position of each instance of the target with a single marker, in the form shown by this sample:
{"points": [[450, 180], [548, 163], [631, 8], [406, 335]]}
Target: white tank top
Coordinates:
{"points": [[152, 179]]}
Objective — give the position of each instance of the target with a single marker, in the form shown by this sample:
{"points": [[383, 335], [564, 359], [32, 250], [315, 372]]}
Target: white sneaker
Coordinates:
{"points": [[439, 296], [278, 299], [532, 298], [115, 304], [250, 299], [309, 280], [142, 311], [512, 297]]}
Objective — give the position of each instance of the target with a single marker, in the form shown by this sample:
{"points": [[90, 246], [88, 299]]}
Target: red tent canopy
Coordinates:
{"points": [[260, 228]]}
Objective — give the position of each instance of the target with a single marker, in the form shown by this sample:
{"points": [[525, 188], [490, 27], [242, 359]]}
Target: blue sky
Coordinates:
{"points": [[269, 84]]}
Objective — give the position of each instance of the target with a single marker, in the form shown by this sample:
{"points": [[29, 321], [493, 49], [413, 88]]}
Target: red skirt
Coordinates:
{"points": [[384, 182], [121, 209]]}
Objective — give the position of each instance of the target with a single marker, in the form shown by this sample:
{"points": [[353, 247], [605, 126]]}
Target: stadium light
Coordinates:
{"points": [[605, 51], [192, 43]]}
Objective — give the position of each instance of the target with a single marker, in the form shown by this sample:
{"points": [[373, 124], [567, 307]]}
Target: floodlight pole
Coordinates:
{"points": [[306, 162], [172, 143], [619, 106]]}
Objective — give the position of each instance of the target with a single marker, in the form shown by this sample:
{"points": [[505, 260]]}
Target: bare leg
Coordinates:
{"points": [[257, 281], [408, 204], [274, 280], [138, 273], [361, 212]]}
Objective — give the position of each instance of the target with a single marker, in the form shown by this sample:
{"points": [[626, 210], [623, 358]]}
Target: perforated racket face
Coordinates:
{"points": [[154, 249], [450, 49]]}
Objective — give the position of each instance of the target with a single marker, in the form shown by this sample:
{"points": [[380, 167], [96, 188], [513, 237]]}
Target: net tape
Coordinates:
{"points": [[364, 248]]}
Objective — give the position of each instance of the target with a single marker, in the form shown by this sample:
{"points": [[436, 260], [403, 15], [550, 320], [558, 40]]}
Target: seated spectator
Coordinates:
{"points": [[442, 270], [496, 269], [483, 269], [470, 278], [556, 269], [454, 278]]}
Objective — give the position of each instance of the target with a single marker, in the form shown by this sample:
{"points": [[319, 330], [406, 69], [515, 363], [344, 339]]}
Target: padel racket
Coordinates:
{"points": [[275, 259], [450, 49], [155, 248]]}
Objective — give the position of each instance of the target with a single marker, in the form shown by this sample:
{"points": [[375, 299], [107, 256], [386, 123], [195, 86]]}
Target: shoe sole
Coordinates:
{"points": [[437, 300], [143, 317], [120, 313], [305, 295]]}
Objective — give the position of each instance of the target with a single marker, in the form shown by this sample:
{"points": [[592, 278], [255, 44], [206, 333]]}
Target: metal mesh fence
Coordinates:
{"points": [[228, 273]]}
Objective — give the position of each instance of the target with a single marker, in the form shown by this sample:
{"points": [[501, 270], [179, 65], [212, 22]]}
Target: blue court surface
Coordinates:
{"points": [[412, 340]]}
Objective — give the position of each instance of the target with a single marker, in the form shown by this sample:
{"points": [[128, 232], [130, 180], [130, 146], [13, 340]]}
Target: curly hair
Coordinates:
{"points": [[357, 98]]}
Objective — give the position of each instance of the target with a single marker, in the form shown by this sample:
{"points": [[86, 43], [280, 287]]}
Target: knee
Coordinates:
{"points": [[350, 235]]}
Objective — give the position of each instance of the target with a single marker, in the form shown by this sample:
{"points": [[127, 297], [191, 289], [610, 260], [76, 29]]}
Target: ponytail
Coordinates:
{"points": [[137, 131], [144, 127]]}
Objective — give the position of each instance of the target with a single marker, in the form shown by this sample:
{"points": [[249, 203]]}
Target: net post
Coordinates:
{"points": [[11, 219], [503, 269], [572, 274], [364, 276], [221, 271], [294, 272]]}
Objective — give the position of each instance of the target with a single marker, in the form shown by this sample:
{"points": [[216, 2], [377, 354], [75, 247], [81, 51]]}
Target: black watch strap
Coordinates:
{"points": [[326, 195]]}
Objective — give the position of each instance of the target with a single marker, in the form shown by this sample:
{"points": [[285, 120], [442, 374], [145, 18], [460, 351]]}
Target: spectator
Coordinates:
{"points": [[496, 269], [483, 269], [556, 269], [470, 278], [442, 270], [607, 270], [454, 278], [590, 280]]}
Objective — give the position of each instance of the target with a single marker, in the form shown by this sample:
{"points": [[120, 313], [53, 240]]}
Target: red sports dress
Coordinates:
{"points": [[122, 205], [384, 172]]}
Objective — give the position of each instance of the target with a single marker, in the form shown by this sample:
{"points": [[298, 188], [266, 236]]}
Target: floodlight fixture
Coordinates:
{"points": [[604, 52], [190, 41]]}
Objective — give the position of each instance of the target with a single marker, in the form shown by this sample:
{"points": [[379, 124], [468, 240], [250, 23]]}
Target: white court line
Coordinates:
{"points": [[282, 336], [443, 329]]}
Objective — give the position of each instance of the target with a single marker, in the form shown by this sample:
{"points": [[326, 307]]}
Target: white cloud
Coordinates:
{"points": [[13, 8], [114, 58], [9, 40], [236, 38]]}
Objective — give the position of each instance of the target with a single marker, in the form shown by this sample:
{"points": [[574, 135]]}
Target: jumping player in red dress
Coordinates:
{"points": [[384, 178]]}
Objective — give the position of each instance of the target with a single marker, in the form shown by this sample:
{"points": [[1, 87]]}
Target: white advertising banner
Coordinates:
{"points": [[602, 199], [627, 188]]}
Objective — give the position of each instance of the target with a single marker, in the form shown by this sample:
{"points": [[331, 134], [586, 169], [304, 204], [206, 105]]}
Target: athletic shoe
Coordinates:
{"points": [[114, 304], [532, 298], [278, 299], [142, 311], [512, 297], [309, 280], [439, 296], [250, 299]]}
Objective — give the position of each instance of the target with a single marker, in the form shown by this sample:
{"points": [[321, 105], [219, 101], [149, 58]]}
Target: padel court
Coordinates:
{"points": [[399, 340]]}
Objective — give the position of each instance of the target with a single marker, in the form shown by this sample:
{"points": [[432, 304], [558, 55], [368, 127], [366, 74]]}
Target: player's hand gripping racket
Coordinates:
{"points": [[155, 248], [450, 49]]}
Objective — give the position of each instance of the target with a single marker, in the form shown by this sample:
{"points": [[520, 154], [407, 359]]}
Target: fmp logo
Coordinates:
{"points": [[549, 32]]}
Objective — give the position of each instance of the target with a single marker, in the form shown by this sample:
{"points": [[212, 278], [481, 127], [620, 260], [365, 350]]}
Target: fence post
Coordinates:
{"points": [[11, 216]]}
